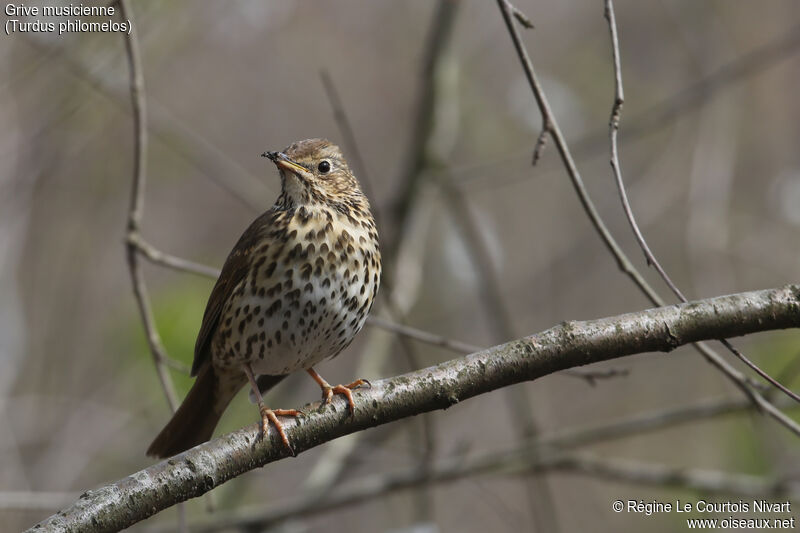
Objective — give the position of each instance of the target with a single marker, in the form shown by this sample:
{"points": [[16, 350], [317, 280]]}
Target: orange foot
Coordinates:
{"points": [[344, 390], [271, 415]]}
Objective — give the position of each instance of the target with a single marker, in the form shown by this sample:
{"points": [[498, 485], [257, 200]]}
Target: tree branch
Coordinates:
{"points": [[624, 264], [136, 209], [613, 130], [570, 344]]}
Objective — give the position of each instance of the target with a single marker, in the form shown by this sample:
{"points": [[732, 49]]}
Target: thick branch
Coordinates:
{"points": [[570, 344]]}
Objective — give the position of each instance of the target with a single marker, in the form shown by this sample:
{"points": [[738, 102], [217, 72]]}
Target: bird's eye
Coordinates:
{"points": [[324, 167]]}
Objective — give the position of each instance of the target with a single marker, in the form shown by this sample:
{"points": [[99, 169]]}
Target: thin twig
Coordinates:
{"points": [[613, 129], [423, 336], [746, 360], [541, 143], [522, 18], [736, 377], [156, 256], [137, 206]]}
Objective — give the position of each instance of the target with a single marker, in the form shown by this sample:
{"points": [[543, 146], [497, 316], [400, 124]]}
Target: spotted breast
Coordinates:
{"points": [[313, 279]]}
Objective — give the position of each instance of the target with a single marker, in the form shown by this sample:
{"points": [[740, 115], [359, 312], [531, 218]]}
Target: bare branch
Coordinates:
{"points": [[200, 469], [423, 336], [622, 259], [541, 143], [555, 132], [613, 129], [137, 207], [746, 360], [158, 257], [522, 18]]}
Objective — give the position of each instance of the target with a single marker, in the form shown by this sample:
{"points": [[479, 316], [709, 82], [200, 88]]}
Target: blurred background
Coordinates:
{"points": [[479, 246]]}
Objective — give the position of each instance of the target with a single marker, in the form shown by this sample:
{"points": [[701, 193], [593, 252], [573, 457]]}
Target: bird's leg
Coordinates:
{"points": [[344, 390], [270, 415]]}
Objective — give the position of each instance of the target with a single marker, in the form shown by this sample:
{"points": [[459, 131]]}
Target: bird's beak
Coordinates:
{"points": [[282, 161]]}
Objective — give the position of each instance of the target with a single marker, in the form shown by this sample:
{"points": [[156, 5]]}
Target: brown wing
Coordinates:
{"points": [[233, 271]]}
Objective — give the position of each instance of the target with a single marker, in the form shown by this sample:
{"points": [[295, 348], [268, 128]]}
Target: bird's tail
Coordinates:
{"points": [[194, 421], [196, 418]]}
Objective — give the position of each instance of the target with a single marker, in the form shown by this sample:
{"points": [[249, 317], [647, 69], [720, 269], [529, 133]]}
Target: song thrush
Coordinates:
{"points": [[294, 290]]}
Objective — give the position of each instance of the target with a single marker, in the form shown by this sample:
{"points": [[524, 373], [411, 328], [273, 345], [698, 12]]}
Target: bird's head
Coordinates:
{"points": [[314, 172]]}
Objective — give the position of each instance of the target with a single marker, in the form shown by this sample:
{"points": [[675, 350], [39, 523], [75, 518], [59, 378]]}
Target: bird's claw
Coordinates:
{"points": [[271, 415], [344, 390]]}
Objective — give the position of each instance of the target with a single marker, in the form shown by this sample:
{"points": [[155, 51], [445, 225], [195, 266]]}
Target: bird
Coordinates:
{"points": [[295, 290]]}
